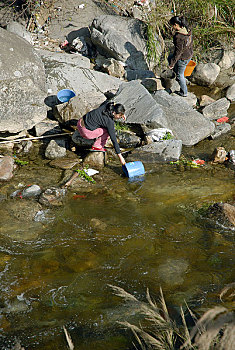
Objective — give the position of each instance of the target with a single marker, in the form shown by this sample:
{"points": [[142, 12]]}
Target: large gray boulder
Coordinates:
{"points": [[163, 110], [224, 79], [162, 151], [78, 106], [121, 38], [70, 72], [191, 99], [205, 74], [54, 58], [22, 84], [141, 108], [186, 124], [228, 59], [217, 109], [18, 59], [22, 105], [20, 30], [230, 93]]}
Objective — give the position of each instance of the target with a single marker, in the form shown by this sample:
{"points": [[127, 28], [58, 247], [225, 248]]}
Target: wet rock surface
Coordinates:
{"points": [[6, 168], [56, 149], [52, 197], [223, 213]]}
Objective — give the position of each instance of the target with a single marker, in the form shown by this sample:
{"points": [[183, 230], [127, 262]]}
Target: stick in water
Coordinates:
{"points": [[68, 338]]}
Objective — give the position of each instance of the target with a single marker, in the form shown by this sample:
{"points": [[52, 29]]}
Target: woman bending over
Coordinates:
{"points": [[99, 124]]}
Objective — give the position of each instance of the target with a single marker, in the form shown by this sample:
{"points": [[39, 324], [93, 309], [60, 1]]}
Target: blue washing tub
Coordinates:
{"points": [[65, 95], [133, 169]]}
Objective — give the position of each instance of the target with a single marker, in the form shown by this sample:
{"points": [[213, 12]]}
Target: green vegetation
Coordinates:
{"points": [[212, 21], [24, 9], [168, 136], [157, 21], [82, 173], [203, 210], [183, 162], [121, 126], [20, 162]]}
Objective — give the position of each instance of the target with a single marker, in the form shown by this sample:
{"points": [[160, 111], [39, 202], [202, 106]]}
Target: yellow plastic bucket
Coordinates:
{"points": [[189, 68]]}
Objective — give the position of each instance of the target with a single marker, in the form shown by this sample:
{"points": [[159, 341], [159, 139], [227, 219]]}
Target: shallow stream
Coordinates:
{"points": [[140, 234]]}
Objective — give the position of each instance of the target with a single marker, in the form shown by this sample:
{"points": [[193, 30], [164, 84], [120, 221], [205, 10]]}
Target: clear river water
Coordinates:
{"points": [[56, 270]]}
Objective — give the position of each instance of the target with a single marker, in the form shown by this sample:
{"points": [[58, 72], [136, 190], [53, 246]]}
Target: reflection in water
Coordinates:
{"points": [[133, 234]]}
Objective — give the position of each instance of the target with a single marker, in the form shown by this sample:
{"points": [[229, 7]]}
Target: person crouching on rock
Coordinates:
{"points": [[183, 51], [99, 124]]}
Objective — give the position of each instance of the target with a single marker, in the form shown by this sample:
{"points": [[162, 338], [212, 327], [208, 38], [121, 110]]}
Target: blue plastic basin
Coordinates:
{"points": [[65, 95], [133, 169]]}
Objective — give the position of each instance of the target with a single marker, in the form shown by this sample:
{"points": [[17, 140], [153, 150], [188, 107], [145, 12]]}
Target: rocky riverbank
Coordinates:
{"points": [[100, 54]]}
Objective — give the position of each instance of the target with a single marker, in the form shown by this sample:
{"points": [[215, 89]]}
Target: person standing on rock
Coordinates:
{"points": [[183, 51], [99, 124]]}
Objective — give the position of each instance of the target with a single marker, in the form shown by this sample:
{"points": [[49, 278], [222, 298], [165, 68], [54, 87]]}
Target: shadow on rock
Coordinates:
{"points": [[52, 101]]}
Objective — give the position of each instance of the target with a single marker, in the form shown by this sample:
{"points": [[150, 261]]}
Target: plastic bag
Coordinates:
{"points": [[160, 134]]}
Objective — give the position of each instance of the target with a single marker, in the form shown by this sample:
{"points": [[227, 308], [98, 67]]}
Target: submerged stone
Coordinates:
{"points": [[6, 168], [223, 213], [52, 196], [173, 270]]}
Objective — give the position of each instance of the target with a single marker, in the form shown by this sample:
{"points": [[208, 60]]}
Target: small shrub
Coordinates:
{"points": [[20, 162], [121, 126], [82, 173]]}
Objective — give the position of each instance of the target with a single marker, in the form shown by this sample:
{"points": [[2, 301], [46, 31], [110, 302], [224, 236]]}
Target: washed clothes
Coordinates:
{"points": [[99, 118]]}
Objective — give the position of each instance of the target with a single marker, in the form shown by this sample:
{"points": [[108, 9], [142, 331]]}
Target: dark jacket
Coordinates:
{"points": [[183, 47], [100, 118]]}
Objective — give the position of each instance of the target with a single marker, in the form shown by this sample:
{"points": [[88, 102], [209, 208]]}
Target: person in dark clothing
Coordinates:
{"points": [[183, 51], [99, 124]]}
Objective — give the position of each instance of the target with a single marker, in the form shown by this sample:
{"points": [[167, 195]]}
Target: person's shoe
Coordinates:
{"points": [[180, 93], [96, 149]]}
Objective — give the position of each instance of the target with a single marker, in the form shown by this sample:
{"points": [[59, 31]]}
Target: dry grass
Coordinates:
{"points": [[214, 330], [164, 331], [24, 10]]}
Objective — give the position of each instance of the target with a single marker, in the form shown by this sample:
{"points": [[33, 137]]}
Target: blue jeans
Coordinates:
{"points": [[179, 69]]}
